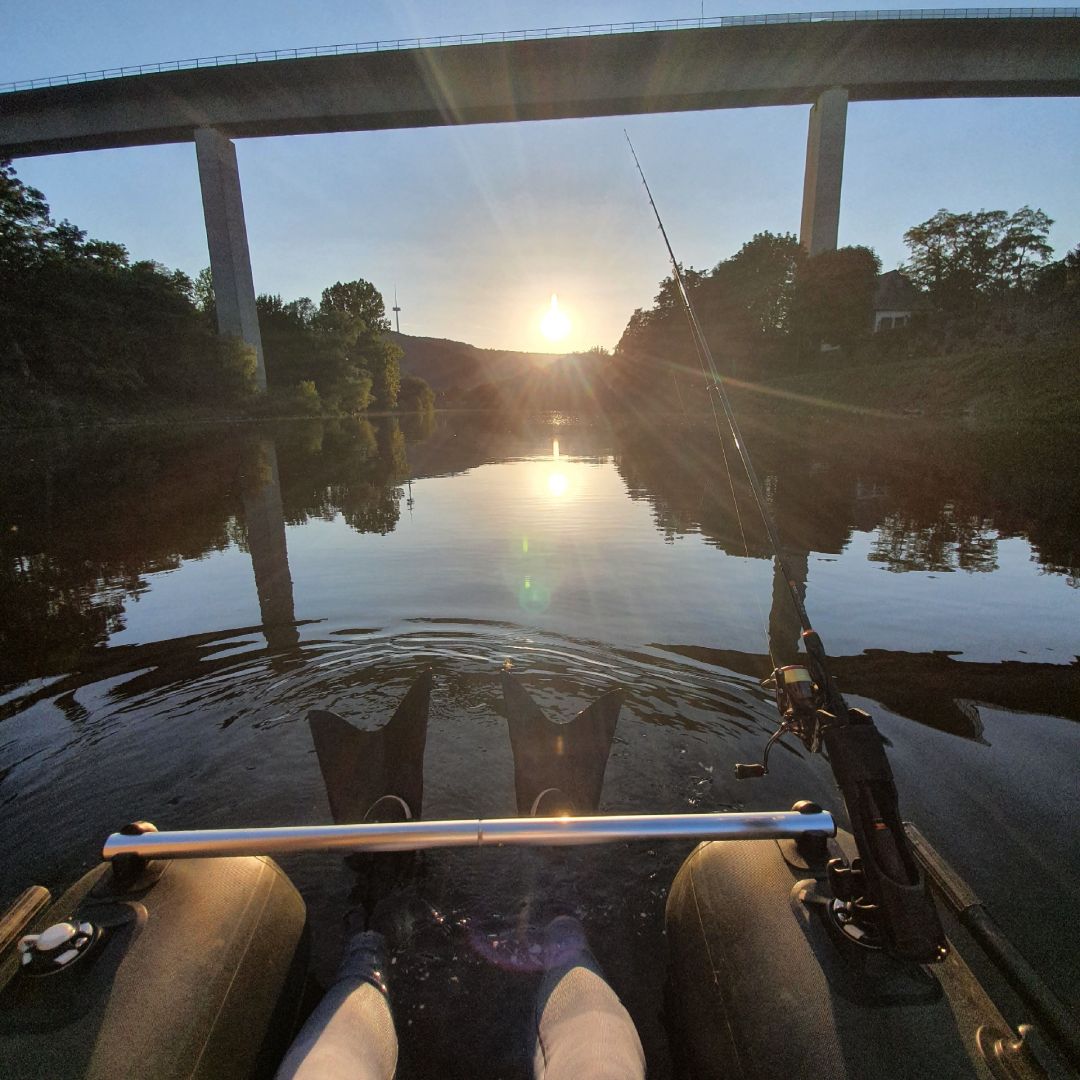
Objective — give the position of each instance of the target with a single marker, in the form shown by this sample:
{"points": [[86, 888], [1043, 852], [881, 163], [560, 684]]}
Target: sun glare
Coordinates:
{"points": [[554, 325], [557, 483]]}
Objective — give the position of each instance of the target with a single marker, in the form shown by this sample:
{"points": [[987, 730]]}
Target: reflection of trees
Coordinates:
{"points": [[680, 473], [350, 467], [953, 541], [938, 499], [85, 518]]}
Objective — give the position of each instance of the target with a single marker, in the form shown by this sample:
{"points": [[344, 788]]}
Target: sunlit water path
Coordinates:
{"points": [[175, 604]]}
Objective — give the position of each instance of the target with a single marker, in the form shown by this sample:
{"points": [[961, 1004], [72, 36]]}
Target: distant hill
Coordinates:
{"points": [[577, 382], [455, 365]]}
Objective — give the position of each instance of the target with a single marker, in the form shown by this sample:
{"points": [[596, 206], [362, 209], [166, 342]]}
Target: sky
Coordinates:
{"points": [[478, 226]]}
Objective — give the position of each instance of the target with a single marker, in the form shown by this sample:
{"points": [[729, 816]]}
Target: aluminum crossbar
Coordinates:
{"points": [[480, 832]]}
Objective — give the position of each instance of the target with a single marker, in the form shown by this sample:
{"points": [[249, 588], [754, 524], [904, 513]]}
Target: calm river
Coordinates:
{"points": [[175, 601]]}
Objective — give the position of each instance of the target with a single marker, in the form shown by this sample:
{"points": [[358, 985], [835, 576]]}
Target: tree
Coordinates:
{"points": [[1057, 287], [307, 398], [963, 260], [24, 220], [1024, 248], [360, 299], [203, 292], [759, 280], [415, 395], [382, 364], [834, 296]]}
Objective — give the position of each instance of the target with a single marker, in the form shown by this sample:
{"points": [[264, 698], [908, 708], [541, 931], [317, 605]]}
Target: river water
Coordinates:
{"points": [[176, 600]]}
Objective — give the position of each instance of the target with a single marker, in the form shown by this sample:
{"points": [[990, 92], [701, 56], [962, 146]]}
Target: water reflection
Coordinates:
{"points": [[88, 519], [265, 535], [176, 603]]}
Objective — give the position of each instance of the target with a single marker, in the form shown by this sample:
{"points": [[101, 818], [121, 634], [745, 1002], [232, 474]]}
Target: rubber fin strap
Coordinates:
{"points": [[894, 880]]}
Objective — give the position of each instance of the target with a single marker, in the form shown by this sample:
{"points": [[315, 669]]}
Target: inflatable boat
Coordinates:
{"points": [[185, 954]]}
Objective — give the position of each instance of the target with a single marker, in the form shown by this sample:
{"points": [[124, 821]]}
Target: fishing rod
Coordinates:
{"points": [[883, 893]]}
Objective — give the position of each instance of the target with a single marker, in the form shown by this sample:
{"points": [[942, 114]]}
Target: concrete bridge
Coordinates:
{"points": [[823, 60]]}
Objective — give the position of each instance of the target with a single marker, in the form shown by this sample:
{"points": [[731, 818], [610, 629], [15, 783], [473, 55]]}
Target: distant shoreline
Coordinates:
{"points": [[989, 387]]}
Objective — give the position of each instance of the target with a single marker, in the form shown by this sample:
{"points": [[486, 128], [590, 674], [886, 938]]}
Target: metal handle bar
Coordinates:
{"points": [[414, 835]]}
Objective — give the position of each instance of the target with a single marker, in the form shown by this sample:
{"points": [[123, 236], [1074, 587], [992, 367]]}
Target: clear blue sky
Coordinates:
{"points": [[478, 225]]}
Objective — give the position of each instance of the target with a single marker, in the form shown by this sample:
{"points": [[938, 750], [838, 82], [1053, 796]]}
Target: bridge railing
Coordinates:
{"points": [[589, 30]]}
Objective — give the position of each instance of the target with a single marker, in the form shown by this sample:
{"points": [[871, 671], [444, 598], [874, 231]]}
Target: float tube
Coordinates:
{"points": [[765, 982], [158, 970]]}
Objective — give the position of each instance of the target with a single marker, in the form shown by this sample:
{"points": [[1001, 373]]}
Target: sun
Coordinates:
{"points": [[554, 325]]}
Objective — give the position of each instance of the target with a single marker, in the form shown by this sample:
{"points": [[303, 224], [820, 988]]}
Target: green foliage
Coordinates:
{"points": [[415, 395], [307, 399], [80, 322], [385, 374], [743, 303], [744, 306], [965, 261], [25, 224], [755, 286], [238, 362], [1057, 286], [356, 396], [833, 301], [202, 292], [768, 309], [358, 299], [338, 346]]}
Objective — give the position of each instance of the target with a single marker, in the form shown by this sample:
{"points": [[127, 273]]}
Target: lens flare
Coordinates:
{"points": [[554, 325]]}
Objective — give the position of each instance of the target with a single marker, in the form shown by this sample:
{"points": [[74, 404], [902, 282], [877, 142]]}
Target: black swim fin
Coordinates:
{"points": [[571, 756], [360, 766]]}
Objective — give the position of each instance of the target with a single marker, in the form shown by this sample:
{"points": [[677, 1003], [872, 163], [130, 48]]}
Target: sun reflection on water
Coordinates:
{"points": [[557, 483]]}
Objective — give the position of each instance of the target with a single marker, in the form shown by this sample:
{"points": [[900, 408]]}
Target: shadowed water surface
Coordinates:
{"points": [[174, 603]]}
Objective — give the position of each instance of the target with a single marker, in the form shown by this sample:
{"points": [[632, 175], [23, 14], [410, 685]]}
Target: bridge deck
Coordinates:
{"points": [[577, 76]]}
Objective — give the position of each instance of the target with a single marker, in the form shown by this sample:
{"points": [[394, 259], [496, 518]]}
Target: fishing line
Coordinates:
{"points": [[715, 383], [707, 365], [890, 894]]}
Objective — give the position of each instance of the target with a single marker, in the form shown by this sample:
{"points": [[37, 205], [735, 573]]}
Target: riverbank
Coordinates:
{"points": [[988, 387], [983, 387]]}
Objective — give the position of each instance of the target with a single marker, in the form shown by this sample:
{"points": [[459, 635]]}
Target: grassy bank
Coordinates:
{"points": [[984, 386]]}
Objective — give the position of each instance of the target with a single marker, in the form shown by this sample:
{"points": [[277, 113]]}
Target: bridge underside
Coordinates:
{"points": [[620, 74], [823, 64]]}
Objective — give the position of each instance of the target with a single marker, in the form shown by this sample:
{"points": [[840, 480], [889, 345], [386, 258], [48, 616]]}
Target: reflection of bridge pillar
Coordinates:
{"points": [[266, 545], [226, 236], [824, 171], [785, 631]]}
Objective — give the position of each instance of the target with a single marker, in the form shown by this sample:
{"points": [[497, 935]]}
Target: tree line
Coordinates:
{"points": [[85, 330], [975, 277]]}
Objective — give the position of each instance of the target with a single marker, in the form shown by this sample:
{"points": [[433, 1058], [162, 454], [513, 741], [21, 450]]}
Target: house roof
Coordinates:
{"points": [[896, 293]]}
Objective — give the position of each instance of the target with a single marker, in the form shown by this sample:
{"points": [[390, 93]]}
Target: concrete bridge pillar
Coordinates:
{"points": [[824, 171], [226, 236]]}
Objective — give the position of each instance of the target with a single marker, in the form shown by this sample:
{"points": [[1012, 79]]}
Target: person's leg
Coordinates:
{"points": [[583, 1031], [350, 1035]]}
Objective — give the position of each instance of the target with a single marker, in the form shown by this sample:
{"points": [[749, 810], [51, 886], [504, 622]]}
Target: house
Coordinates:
{"points": [[895, 301]]}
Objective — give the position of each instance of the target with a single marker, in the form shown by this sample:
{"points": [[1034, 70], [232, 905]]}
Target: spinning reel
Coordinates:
{"points": [[799, 701]]}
